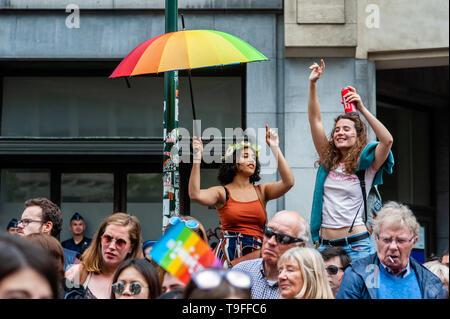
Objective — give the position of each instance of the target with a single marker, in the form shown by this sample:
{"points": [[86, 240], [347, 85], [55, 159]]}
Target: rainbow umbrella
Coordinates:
{"points": [[187, 49]]}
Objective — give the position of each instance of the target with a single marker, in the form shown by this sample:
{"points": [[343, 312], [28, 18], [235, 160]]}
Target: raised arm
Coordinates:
{"points": [[207, 197], [382, 133], [314, 116], [277, 189]]}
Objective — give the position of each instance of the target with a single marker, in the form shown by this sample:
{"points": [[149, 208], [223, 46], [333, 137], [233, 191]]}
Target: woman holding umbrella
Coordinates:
{"points": [[240, 204]]}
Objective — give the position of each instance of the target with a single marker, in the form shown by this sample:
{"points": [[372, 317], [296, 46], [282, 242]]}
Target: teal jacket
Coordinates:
{"points": [[365, 160]]}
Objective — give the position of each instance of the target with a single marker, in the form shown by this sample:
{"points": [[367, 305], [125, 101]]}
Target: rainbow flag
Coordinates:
{"points": [[181, 252]]}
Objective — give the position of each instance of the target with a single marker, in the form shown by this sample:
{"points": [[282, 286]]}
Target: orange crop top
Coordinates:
{"points": [[247, 218]]}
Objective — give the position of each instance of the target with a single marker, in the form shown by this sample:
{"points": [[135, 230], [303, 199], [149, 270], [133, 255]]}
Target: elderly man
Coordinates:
{"points": [[391, 273], [285, 230]]}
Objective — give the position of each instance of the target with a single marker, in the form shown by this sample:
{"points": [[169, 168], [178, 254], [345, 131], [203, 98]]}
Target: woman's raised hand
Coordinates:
{"points": [[272, 137], [197, 148], [316, 71]]}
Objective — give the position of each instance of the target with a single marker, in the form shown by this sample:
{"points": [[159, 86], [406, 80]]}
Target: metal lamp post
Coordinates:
{"points": [[171, 174]]}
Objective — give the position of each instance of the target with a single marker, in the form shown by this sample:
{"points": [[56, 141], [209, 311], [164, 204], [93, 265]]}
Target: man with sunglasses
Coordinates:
{"points": [[391, 273], [336, 261], [287, 229]]}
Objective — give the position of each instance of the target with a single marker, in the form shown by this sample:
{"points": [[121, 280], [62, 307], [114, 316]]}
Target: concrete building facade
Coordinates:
{"points": [[67, 130]]}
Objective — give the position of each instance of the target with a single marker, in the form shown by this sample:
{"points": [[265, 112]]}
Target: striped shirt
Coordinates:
{"points": [[261, 288]]}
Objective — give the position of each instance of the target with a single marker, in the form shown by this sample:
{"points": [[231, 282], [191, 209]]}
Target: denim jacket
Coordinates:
{"points": [[365, 160], [359, 280]]}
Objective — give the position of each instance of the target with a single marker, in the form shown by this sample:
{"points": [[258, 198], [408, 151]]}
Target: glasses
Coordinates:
{"points": [[333, 270], [192, 224], [106, 240], [280, 237], [398, 241], [211, 278], [135, 289], [27, 221]]}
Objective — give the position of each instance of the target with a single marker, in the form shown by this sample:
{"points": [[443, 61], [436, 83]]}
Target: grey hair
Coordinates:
{"points": [[440, 270], [312, 268], [396, 213], [305, 233]]}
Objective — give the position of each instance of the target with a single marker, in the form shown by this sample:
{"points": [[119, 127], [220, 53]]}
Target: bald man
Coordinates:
{"points": [[287, 229]]}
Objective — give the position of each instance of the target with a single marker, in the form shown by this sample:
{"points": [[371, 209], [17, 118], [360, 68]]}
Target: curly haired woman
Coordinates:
{"points": [[240, 204], [338, 204]]}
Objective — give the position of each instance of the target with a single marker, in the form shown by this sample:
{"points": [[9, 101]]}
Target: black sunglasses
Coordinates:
{"points": [[280, 237], [333, 270]]}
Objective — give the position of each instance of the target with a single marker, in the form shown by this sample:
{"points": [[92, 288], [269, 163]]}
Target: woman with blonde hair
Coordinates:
{"points": [[302, 275], [118, 238]]}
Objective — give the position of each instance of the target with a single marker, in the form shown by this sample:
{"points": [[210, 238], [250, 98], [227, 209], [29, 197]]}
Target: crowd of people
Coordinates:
{"points": [[339, 253], [117, 264]]}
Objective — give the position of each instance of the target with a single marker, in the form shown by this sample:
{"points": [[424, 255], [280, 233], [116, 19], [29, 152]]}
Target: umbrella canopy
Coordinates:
{"points": [[188, 49]]}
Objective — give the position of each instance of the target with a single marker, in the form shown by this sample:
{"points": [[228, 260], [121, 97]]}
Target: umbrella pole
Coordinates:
{"points": [[192, 95], [195, 133], [171, 175]]}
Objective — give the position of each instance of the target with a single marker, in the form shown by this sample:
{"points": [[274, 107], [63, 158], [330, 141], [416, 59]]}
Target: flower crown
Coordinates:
{"points": [[241, 145]]}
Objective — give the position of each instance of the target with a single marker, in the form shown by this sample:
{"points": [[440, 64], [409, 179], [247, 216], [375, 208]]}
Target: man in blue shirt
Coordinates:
{"points": [[78, 242], [391, 273]]}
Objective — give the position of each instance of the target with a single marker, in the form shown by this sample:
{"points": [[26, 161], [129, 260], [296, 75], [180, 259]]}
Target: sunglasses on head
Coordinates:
{"points": [[280, 237], [211, 278], [135, 289], [333, 270], [107, 239], [192, 224]]}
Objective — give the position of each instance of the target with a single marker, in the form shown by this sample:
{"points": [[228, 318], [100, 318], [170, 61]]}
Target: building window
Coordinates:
{"points": [[59, 106], [18, 185], [144, 200]]}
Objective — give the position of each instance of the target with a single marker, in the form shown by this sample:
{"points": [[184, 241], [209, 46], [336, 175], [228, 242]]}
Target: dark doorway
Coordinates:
{"points": [[413, 104]]}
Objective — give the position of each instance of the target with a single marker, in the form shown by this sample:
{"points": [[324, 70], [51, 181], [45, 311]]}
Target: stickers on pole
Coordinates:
{"points": [[181, 252]]}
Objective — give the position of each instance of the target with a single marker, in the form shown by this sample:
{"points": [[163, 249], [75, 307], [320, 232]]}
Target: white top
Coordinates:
{"points": [[342, 198]]}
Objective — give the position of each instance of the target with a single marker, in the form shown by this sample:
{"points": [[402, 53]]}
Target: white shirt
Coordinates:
{"points": [[342, 198]]}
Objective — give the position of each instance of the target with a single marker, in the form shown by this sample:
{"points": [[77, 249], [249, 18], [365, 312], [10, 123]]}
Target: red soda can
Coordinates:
{"points": [[348, 107]]}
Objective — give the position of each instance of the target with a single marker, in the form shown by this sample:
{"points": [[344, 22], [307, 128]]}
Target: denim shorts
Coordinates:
{"points": [[356, 250], [235, 245]]}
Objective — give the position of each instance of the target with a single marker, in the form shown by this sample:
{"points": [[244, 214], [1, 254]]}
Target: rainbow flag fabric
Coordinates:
{"points": [[181, 252]]}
